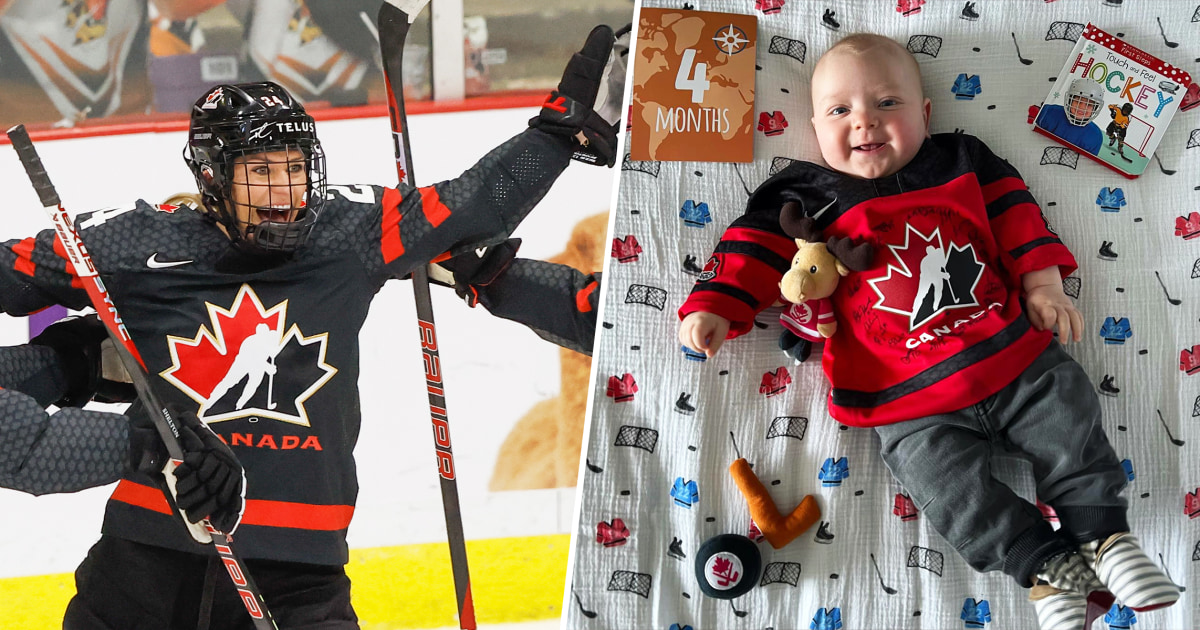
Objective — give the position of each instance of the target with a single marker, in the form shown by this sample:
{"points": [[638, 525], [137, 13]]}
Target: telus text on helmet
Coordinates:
{"points": [[281, 127]]}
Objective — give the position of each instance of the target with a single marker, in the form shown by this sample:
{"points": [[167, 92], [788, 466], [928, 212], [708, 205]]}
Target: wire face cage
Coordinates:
{"points": [[274, 193]]}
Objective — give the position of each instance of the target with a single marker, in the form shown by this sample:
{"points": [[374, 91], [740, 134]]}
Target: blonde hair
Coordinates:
{"points": [[863, 44]]}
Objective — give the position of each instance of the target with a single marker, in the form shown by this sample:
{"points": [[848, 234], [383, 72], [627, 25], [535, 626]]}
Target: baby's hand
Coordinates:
{"points": [[1047, 305], [703, 332]]}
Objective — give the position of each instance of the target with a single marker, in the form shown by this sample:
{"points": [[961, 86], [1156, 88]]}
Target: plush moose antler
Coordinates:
{"points": [[856, 257], [796, 225]]}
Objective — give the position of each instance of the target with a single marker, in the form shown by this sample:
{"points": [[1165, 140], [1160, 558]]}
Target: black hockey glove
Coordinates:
{"points": [[78, 342], [473, 271], [210, 482], [587, 103]]}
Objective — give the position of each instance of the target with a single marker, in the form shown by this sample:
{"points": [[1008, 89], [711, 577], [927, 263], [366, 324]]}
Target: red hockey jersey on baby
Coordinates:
{"points": [[936, 323]]}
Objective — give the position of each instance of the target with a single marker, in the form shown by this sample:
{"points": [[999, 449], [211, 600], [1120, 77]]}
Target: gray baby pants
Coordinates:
{"points": [[1049, 415]]}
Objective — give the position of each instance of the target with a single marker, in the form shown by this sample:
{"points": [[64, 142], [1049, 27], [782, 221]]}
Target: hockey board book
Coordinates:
{"points": [[693, 86], [1112, 102]]}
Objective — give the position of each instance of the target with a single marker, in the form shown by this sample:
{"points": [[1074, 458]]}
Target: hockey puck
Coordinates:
{"points": [[727, 566]]}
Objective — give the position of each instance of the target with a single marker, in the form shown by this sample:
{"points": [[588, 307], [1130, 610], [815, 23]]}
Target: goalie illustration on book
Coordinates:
{"points": [[267, 251], [1073, 122]]}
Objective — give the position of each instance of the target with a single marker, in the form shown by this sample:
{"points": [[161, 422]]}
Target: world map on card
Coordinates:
{"points": [[693, 92]]}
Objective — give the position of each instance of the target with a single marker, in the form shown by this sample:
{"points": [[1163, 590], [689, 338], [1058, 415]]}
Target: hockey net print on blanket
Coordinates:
{"points": [[665, 427]]}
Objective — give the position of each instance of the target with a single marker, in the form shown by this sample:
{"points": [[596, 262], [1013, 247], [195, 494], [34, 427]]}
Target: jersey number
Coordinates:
{"points": [[100, 217], [357, 194]]}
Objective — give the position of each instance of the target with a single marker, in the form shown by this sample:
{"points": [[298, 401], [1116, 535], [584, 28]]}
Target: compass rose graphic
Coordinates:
{"points": [[731, 40]]}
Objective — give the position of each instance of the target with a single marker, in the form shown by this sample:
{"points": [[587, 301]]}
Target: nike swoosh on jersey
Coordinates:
{"points": [[822, 210], [154, 263]]}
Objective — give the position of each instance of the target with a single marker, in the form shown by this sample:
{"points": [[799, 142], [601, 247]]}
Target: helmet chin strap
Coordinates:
{"points": [[279, 235], [262, 237]]}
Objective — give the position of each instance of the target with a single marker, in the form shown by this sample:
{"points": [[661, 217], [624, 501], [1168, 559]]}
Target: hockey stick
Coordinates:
{"points": [[81, 262], [395, 17]]}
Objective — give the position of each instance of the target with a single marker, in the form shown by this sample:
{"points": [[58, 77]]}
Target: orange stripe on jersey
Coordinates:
{"points": [[258, 512], [581, 298], [141, 496], [297, 515], [1001, 187], [24, 252], [431, 203], [390, 244]]}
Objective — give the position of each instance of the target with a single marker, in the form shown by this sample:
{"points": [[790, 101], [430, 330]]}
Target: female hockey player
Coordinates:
{"points": [[247, 313]]}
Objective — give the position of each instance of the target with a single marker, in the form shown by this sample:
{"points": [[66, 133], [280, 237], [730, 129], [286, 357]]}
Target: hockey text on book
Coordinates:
{"points": [[1098, 71]]}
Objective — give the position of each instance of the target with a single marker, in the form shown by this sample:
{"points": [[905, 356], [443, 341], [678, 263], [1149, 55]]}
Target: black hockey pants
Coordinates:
{"points": [[123, 585]]}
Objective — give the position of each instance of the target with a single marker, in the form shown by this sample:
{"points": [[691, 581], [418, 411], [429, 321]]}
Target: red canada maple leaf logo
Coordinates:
{"points": [[209, 365], [920, 283], [724, 571]]}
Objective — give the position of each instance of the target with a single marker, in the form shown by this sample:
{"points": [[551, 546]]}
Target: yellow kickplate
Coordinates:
{"points": [[394, 588], [36, 602], [512, 579]]}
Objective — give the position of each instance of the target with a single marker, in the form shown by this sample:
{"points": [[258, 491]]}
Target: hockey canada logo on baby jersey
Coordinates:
{"points": [[926, 277], [711, 268], [232, 369]]}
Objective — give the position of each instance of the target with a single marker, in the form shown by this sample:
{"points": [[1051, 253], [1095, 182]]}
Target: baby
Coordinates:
{"points": [[945, 344]]}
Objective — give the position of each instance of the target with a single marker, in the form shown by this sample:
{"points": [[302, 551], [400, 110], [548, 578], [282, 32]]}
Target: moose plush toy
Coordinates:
{"points": [[816, 269]]}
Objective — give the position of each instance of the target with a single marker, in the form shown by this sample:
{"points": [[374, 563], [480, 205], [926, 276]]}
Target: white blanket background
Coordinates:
{"points": [[880, 571]]}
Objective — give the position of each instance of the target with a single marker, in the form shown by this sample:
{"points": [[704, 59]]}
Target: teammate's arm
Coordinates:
{"points": [[67, 451], [33, 275], [557, 302]]}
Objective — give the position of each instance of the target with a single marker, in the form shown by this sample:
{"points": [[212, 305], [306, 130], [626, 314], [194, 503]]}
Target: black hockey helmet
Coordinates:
{"points": [[231, 121]]}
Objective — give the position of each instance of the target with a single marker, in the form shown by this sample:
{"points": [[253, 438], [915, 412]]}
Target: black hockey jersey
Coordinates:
{"points": [[269, 357]]}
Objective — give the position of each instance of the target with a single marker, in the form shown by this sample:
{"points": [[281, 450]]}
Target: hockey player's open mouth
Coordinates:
{"points": [[868, 148], [274, 214]]}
